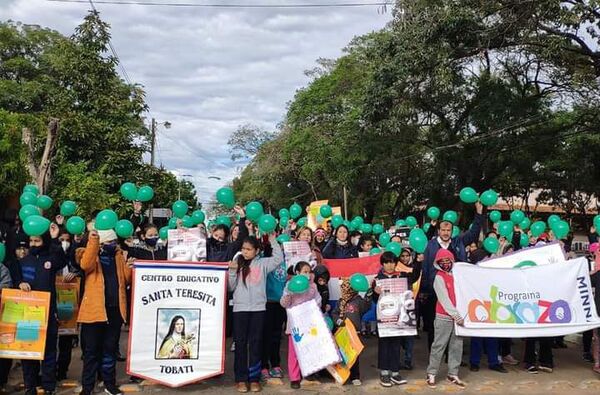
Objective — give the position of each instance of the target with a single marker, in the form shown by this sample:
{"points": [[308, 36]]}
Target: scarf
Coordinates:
{"points": [[347, 295]]}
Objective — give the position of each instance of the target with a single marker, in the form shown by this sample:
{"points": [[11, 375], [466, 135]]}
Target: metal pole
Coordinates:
{"points": [[152, 149], [345, 203]]}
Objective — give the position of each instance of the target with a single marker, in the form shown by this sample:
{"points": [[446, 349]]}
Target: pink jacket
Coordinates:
{"points": [[289, 299]]}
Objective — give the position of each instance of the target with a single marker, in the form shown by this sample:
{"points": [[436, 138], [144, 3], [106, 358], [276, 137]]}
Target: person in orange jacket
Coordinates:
{"points": [[103, 308]]}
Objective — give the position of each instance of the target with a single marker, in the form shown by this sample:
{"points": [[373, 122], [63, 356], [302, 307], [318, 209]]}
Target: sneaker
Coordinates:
{"points": [[255, 387], [457, 381], [431, 381], [384, 380], [509, 360], [276, 373], [532, 369], [356, 382], [232, 349], [295, 385], [113, 391], [264, 375], [587, 357], [397, 379], [474, 368], [499, 369], [546, 369]]}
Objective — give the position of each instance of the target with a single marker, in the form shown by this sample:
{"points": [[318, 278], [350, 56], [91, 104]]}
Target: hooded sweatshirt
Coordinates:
{"points": [[251, 295], [443, 286], [321, 271]]}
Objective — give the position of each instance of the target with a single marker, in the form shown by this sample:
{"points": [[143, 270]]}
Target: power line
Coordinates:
{"points": [[216, 5]]}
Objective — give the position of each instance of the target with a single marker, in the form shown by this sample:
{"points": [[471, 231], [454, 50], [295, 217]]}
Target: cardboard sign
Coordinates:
{"points": [[67, 305], [350, 347]]}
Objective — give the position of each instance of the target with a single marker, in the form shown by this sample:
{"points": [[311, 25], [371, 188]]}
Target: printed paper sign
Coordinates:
{"points": [[395, 308], [186, 245], [312, 339], [296, 251], [549, 300], [23, 324], [177, 332]]}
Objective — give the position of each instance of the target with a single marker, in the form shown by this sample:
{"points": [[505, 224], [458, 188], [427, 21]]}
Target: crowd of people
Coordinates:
{"points": [[257, 284]]}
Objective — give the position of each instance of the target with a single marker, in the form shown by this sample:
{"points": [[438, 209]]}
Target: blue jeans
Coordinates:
{"points": [[407, 344], [491, 347]]}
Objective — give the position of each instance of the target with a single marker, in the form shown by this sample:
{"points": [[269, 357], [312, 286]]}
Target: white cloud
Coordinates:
{"points": [[209, 70]]}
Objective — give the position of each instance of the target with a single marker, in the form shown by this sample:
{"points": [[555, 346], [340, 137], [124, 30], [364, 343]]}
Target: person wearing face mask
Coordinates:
{"points": [[103, 308], [289, 300], [148, 249], [37, 272], [218, 247], [339, 246]]}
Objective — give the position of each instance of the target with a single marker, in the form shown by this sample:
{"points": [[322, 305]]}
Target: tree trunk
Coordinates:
{"points": [[41, 173]]}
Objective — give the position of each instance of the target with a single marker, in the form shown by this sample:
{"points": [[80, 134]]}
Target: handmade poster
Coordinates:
{"points": [[395, 308], [342, 268], [177, 332], [350, 347], [313, 343], [554, 299], [23, 324], [542, 255], [314, 216], [67, 305], [296, 251], [186, 245]]}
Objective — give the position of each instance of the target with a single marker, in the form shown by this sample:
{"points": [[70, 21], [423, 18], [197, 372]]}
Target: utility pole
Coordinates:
{"points": [[152, 149], [346, 203]]}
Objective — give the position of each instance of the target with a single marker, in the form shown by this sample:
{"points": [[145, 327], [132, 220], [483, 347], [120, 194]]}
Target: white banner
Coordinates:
{"points": [[186, 245], [542, 255], [313, 342], [540, 301], [177, 332], [395, 308]]}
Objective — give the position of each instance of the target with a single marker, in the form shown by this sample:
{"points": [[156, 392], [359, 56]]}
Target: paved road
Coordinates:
{"points": [[571, 375]]}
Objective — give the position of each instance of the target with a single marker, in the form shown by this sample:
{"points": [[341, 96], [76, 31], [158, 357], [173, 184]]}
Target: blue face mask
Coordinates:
{"points": [[109, 249], [35, 250], [151, 241]]}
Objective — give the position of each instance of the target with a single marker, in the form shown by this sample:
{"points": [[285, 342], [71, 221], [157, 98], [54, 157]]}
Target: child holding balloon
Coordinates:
{"points": [[299, 289]]}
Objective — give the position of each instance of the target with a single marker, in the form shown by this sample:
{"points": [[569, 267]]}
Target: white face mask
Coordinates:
{"points": [[355, 241], [65, 245]]}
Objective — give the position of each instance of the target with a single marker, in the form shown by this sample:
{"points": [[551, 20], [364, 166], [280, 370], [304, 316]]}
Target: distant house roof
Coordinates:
{"points": [[508, 204]]}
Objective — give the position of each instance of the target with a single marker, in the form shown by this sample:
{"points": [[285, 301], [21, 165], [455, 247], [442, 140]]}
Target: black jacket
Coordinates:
{"points": [[223, 251]]}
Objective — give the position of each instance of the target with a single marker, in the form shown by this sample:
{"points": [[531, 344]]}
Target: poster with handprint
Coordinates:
{"points": [[313, 342]]}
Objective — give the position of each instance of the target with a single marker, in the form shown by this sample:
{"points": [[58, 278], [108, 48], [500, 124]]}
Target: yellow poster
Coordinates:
{"points": [[67, 306], [23, 324], [314, 217], [350, 347]]}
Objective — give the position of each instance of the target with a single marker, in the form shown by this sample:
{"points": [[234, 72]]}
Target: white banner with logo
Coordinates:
{"points": [[536, 301], [177, 331], [541, 255]]}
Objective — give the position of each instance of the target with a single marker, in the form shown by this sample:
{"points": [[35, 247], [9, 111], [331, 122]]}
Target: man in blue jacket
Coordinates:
{"points": [[456, 245]]}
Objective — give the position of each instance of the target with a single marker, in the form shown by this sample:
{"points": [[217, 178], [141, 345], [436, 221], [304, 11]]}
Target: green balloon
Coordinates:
{"points": [[223, 220], [450, 216], [366, 228], [517, 216], [284, 213], [505, 228], [76, 225], [31, 188], [525, 264], [282, 238], [378, 229], [2, 252], [455, 231], [560, 229], [129, 191], [359, 220], [329, 322], [124, 229], [145, 194], [172, 223], [355, 224], [400, 223], [188, 221], [359, 282], [553, 219], [28, 210], [433, 212], [426, 227], [394, 247], [106, 219], [163, 233], [283, 222], [468, 195], [537, 228], [295, 210], [68, 208], [36, 225], [198, 217], [418, 240], [44, 202], [28, 198], [302, 222], [180, 208], [489, 197], [226, 197], [525, 224], [336, 221], [298, 284], [254, 210], [597, 223], [267, 223], [491, 245], [325, 211], [524, 240], [495, 216], [375, 251], [348, 224], [411, 221]]}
